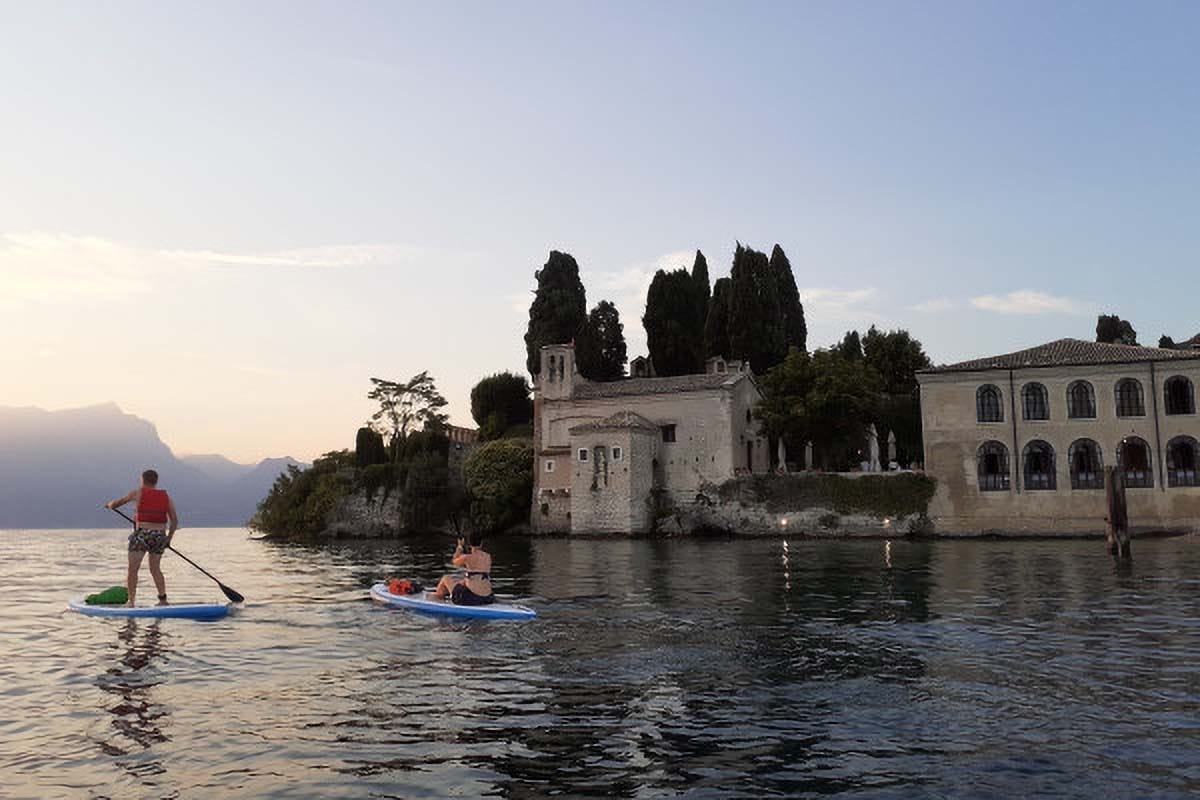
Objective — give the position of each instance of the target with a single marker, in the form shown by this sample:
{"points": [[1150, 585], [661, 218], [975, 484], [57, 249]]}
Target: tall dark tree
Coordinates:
{"points": [[716, 326], [703, 290], [794, 327], [674, 329], [1167, 343], [600, 349], [756, 326], [1111, 329], [559, 308], [850, 348], [368, 448], [500, 402]]}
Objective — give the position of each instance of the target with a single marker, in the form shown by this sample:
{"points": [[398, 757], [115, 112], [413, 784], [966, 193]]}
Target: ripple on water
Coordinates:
{"points": [[656, 668]]}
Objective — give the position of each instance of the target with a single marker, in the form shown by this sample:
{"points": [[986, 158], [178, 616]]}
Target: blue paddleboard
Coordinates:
{"points": [[181, 611], [419, 602]]}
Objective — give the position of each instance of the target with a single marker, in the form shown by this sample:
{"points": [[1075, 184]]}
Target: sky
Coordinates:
{"points": [[228, 217]]}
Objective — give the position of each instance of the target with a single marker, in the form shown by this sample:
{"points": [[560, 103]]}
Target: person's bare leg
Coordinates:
{"points": [[131, 577], [444, 588], [160, 582]]}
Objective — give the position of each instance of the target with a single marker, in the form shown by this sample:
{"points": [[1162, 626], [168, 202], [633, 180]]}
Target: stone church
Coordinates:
{"points": [[611, 455]]}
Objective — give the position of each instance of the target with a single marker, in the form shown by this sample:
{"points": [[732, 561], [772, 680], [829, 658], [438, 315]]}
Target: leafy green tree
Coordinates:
{"points": [[716, 326], [674, 328], [823, 398], [1167, 343], [368, 448], [1111, 329], [423, 505], [600, 349], [499, 402], [795, 330], [407, 406], [703, 290], [559, 308], [301, 500], [897, 357], [499, 478], [756, 323]]}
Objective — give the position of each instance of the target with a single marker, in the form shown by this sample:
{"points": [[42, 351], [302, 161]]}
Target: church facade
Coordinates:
{"points": [[610, 456]]}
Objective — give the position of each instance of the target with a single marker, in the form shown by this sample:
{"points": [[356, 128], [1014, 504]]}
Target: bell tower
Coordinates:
{"points": [[558, 376]]}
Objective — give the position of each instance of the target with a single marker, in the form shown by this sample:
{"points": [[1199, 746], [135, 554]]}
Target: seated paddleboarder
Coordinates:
{"points": [[155, 523], [475, 589]]}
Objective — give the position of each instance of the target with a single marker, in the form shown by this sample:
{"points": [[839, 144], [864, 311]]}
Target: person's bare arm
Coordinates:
{"points": [[173, 519], [115, 504], [460, 558]]}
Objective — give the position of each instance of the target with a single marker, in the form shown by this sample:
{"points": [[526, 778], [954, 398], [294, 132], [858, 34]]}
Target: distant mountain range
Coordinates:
{"points": [[57, 468]]}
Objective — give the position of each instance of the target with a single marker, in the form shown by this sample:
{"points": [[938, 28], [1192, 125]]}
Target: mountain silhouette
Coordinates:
{"points": [[57, 468]]}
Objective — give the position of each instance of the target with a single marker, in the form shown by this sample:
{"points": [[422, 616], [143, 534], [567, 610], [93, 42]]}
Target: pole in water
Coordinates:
{"points": [[1117, 521]]}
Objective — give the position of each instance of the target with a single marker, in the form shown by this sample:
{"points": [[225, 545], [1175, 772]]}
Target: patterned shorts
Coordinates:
{"points": [[144, 541]]}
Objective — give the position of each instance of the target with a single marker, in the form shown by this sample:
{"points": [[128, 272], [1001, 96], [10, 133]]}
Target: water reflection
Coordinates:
{"points": [[137, 719]]}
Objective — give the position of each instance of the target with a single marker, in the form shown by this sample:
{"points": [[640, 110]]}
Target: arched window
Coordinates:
{"points": [[989, 406], [1179, 397], [1034, 401], [993, 467], [1182, 452], [1081, 401], [1133, 461], [1087, 468], [1038, 459], [1130, 402]]}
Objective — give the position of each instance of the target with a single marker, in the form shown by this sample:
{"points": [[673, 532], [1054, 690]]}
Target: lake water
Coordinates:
{"points": [[701, 668]]}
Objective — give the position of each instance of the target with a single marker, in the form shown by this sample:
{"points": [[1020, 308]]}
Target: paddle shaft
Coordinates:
{"points": [[230, 593]]}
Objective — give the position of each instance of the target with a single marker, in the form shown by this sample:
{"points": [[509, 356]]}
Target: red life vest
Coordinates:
{"points": [[152, 506]]}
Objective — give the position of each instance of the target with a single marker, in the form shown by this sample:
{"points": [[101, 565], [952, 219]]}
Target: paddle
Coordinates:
{"points": [[234, 596]]}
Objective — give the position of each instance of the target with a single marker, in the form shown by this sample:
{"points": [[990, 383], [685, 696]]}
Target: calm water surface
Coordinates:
{"points": [[658, 668]]}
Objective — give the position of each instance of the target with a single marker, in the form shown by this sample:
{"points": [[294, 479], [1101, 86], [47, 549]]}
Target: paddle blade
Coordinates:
{"points": [[235, 597]]}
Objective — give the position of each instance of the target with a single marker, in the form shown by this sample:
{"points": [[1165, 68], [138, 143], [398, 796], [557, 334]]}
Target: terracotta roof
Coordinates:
{"points": [[1069, 353], [636, 386], [622, 420]]}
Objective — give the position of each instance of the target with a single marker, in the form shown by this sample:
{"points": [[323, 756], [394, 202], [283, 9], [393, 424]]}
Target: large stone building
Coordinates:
{"points": [[610, 455], [1018, 442]]}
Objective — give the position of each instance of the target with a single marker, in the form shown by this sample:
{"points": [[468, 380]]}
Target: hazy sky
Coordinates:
{"points": [[227, 217]]}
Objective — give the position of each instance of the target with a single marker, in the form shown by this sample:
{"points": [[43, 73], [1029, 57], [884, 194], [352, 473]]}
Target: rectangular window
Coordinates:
{"points": [[549, 465], [616, 451], [583, 454], [668, 433]]}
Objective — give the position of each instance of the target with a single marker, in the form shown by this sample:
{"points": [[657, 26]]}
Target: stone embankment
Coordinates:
{"points": [[363, 517], [807, 504]]}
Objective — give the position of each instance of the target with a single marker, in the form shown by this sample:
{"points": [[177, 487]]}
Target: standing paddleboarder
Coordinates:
{"points": [[151, 533]]}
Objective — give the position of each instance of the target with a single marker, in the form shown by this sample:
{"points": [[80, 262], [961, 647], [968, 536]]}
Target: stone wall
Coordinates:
{"points": [[551, 511], [359, 516]]}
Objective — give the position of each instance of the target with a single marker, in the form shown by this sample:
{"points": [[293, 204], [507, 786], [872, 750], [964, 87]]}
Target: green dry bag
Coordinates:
{"points": [[112, 596]]}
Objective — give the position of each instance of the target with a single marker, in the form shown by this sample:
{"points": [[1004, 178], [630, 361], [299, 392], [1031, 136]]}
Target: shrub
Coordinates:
{"points": [[499, 478]]}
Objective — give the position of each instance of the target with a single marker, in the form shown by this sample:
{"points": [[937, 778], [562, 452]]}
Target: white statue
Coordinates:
{"points": [[873, 444]]}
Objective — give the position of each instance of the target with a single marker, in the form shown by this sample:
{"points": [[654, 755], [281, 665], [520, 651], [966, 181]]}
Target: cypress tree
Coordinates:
{"points": [[1166, 342], [795, 329], [559, 308], [368, 448], [756, 326], [600, 350], [716, 327], [700, 280], [674, 328], [850, 347]]}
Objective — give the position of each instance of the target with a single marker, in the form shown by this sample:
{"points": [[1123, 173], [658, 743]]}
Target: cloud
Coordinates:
{"points": [[58, 268], [1028, 301], [62, 269], [934, 306], [354, 255], [834, 305]]}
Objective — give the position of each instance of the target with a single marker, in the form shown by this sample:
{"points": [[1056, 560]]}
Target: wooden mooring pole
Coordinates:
{"points": [[1117, 521]]}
